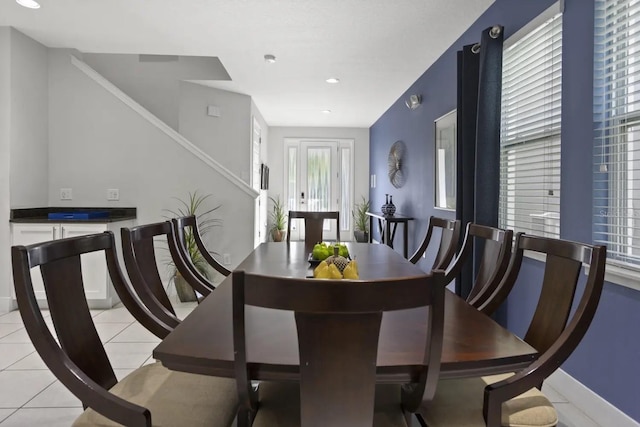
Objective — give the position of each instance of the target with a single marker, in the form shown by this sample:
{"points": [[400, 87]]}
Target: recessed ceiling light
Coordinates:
{"points": [[333, 80], [270, 59], [326, 111], [31, 4]]}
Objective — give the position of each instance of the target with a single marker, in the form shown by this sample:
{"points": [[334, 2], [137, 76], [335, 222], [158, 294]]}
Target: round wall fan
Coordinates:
{"points": [[395, 162]]}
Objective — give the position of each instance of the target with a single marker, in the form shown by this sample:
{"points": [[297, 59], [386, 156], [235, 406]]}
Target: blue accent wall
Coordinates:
{"points": [[608, 359]]}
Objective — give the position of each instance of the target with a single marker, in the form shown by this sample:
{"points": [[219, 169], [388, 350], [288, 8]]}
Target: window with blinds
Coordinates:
{"points": [[530, 132], [616, 194]]}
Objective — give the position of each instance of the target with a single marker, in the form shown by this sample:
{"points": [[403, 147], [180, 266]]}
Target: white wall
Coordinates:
{"points": [[155, 85], [5, 235], [226, 138], [276, 154], [97, 142], [29, 122]]}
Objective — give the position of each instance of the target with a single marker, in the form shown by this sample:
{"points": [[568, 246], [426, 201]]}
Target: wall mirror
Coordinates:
{"points": [[445, 161]]}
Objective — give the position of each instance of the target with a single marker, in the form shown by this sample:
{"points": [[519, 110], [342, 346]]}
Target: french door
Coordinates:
{"points": [[319, 177]]}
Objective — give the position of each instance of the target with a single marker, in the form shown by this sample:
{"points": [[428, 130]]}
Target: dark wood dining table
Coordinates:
{"points": [[474, 344]]}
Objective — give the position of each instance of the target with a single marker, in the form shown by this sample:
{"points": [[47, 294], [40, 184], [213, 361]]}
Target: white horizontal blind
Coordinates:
{"points": [[617, 130], [530, 132]]}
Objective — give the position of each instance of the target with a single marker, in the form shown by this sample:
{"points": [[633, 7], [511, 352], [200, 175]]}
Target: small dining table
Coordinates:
{"points": [[474, 344]]}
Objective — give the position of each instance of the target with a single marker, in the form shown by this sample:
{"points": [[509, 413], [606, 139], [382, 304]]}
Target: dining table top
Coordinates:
{"points": [[474, 344]]}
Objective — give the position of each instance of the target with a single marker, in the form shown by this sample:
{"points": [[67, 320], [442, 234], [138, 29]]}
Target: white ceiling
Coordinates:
{"points": [[377, 48]]}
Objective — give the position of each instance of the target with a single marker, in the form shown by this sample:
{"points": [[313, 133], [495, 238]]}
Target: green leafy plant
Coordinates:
{"points": [[360, 217], [193, 205], [278, 219]]}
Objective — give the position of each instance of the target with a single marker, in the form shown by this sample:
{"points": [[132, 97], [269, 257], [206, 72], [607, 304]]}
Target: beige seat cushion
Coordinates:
{"points": [[458, 403], [174, 398], [280, 406]]}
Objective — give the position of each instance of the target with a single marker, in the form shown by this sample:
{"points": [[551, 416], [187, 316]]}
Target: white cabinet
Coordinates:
{"points": [[98, 287]]}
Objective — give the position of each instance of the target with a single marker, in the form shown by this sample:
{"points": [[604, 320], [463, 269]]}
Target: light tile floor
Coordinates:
{"points": [[31, 396]]}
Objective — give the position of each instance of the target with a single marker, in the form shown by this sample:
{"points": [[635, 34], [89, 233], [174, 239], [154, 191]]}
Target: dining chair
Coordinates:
{"points": [[496, 252], [516, 399], [150, 395], [141, 263], [449, 239], [183, 235], [313, 225], [184, 265], [338, 325]]}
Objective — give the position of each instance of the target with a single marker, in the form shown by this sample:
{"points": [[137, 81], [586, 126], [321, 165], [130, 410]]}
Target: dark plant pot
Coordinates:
{"points": [[278, 235], [361, 236], [183, 289]]}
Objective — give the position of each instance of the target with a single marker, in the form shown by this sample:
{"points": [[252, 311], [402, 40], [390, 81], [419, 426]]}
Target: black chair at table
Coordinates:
{"points": [[313, 225], [139, 254], [150, 395], [516, 399], [492, 266], [338, 324], [141, 263], [449, 238], [180, 226]]}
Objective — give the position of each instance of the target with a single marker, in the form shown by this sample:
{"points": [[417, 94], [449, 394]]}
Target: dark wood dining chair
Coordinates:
{"points": [[150, 395], [492, 266], [516, 399], [141, 263], [313, 225], [182, 261], [449, 239], [180, 226], [338, 325]]}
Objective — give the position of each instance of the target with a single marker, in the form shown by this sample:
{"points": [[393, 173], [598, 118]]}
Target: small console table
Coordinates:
{"points": [[387, 233]]}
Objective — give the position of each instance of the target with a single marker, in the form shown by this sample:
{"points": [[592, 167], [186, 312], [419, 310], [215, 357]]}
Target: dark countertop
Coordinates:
{"points": [[39, 215]]}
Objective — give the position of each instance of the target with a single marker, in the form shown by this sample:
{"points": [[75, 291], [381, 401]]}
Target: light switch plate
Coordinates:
{"points": [[66, 194], [113, 194]]}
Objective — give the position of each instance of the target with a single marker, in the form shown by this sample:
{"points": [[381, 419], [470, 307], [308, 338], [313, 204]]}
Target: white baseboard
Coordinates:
{"points": [[594, 406]]}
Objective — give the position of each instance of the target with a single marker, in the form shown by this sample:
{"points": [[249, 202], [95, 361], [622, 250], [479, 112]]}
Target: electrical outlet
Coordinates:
{"points": [[66, 194], [226, 259], [113, 194]]}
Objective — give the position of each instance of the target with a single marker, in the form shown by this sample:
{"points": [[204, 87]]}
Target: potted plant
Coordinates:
{"points": [[361, 220], [193, 205], [278, 219]]}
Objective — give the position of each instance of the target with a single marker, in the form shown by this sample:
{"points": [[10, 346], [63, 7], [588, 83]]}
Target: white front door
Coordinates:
{"points": [[319, 177]]}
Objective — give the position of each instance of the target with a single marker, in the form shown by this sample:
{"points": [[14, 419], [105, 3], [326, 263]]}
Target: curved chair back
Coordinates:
{"points": [[184, 264], [313, 225], [182, 235], [338, 325], [79, 361], [552, 331], [142, 267], [492, 265], [78, 358], [555, 331], [449, 239]]}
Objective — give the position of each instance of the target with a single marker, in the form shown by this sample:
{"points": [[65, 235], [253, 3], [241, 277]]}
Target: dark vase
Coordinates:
{"points": [[384, 209], [391, 208]]}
